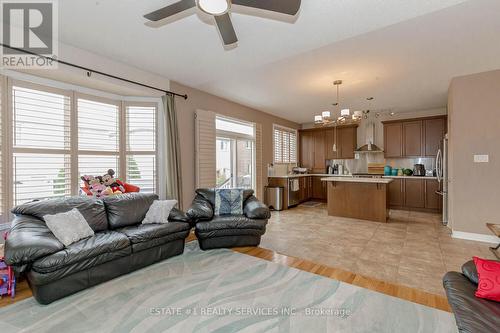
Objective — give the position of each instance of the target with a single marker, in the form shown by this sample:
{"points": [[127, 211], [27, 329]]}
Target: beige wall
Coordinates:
{"points": [[202, 100], [474, 128]]}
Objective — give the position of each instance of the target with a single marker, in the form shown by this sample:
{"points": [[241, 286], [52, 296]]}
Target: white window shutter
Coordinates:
{"points": [[258, 162], [2, 148], [205, 140], [285, 144]]}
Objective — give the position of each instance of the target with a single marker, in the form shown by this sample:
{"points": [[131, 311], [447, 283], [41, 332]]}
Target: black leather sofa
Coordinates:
{"points": [[121, 244], [472, 314], [227, 231]]}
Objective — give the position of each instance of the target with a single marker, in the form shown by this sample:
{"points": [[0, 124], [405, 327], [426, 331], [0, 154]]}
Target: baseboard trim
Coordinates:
{"points": [[475, 237]]}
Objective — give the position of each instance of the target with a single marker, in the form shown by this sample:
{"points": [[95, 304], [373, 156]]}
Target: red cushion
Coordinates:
{"points": [[488, 272]]}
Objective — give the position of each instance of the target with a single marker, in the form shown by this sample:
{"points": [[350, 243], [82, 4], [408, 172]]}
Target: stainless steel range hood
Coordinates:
{"points": [[364, 149], [369, 147]]}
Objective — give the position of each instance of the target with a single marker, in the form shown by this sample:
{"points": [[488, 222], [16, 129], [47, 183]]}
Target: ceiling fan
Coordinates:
{"points": [[220, 10]]}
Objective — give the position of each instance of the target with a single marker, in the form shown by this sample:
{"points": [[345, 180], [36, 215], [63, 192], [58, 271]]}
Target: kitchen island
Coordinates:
{"points": [[360, 198]]}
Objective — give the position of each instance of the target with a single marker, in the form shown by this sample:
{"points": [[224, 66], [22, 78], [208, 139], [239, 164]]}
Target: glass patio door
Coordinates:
{"points": [[235, 149]]}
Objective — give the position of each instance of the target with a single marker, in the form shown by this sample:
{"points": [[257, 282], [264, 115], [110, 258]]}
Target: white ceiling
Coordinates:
{"points": [[403, 53]]}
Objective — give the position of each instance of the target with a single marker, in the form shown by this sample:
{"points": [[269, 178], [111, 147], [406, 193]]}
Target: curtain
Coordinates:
{"points": [[172, 152]]}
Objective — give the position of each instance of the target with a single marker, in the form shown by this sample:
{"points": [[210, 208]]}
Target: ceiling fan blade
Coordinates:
{"points": [[226, 29], [290, 7], [173, 9]]}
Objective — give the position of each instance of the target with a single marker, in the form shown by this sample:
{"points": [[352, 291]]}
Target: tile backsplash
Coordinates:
{"points": [[361, 165]]}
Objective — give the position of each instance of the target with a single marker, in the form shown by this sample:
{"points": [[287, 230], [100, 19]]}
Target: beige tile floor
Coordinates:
{"points": [[413, 249]]}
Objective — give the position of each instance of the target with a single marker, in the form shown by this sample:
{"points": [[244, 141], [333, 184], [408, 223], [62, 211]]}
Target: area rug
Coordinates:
{"points": [[224, 291], [310, 204]]}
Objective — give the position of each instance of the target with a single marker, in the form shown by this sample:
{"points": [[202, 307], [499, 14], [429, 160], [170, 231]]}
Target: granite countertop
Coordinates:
{"points": [[410, 177], [308, 175], [358, 180]]}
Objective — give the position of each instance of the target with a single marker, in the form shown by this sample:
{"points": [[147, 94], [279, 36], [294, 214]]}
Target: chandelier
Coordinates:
{"points": [[345, 118]]}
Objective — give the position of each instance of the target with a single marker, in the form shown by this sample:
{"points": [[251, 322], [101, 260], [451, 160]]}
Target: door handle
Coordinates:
{"points": [[439, 192]]}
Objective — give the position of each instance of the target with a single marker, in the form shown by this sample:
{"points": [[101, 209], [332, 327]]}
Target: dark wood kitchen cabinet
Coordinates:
{"points": [[412, 138], [319, 151], [396, 193], [414, 193], [434, 131], [316, 145], [306, 148], [330, 140], [347, 141], [393, 138], [432, 199], [318, 188]]}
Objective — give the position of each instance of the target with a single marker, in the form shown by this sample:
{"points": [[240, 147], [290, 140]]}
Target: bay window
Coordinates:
{"points": [[50, 137]]}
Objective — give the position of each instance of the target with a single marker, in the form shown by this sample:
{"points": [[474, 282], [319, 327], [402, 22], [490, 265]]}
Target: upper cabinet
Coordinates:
{"points": [[414, 137], [319, 150], [306, 148], [393, 140], [330, 141], [347, 141], [316, 145], [434, 130]]}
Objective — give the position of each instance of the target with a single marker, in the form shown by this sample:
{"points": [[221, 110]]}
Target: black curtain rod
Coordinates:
{"points": [[90, 71]]}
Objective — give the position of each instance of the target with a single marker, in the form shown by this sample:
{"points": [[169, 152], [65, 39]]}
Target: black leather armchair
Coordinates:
{"points": [[472, 314], [228, 230]]}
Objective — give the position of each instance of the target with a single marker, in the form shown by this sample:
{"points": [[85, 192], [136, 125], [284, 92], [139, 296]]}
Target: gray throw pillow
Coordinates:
{"points": [[228, 202], [69, 227], [159, 211]]}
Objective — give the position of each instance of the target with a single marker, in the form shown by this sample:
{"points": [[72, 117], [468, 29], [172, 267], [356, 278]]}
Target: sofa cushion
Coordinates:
{"points": [[145, 232], [92, 209], [127, 209], [472, 314], [107, 243], [230, 226], [145, 236]]}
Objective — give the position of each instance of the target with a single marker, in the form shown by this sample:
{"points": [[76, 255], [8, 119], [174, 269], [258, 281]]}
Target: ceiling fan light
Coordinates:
{"points": [[318, 119], [326, 114], [357, 114], [214, 7], [345, 112]]}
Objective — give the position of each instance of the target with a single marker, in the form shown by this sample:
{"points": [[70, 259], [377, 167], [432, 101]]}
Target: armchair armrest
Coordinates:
{"points": [[256, 210], [200, 210], [29, 239], [177, 215]]}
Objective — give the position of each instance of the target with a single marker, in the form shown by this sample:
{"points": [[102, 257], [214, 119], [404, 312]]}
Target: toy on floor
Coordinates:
{"points": [[7, 278]]}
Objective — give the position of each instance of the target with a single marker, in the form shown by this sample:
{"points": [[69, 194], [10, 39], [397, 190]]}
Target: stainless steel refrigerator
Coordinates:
{"points": [[442, 176]]}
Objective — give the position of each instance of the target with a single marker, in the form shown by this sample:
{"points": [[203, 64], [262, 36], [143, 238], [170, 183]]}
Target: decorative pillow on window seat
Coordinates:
{"points": [[228, 202], [488, 272], [69, 227], [159, 211]]}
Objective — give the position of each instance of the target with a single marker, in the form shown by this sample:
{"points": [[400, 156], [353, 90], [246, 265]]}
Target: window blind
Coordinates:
{"points": [[2, 161], [41, 143], [98, 126], [285, 145], [205, 145], [141, 124]]}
